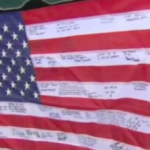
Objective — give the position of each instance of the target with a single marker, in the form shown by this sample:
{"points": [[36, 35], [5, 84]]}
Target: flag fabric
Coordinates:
{"points": [[78, 79]]}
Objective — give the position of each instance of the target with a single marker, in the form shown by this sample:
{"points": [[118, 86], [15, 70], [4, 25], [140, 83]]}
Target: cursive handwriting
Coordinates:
{"points": [[37, 30], [135, 16], [76, 58], [67, 26]]}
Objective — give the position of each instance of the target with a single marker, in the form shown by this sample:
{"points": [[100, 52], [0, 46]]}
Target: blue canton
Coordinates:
{"points": [[17, 78]]}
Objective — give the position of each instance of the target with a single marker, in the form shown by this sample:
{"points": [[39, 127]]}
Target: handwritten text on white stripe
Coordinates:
{"points": [[96, 90], [108, 117], [129, 21], [94, 58], [62, 137]]}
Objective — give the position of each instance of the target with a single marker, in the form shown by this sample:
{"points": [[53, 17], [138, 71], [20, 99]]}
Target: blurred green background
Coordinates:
{"points": [[9, 5]]}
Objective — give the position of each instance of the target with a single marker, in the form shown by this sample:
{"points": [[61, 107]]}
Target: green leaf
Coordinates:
{"points": [[12, 4], [55, 1]]}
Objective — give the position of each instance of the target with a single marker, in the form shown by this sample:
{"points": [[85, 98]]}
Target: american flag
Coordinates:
{"points": [[76, 76]]}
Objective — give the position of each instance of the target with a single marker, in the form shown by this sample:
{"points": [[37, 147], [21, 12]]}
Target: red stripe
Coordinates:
{"points": [[97, 130], [124, 104], [122, 40], [30, 145], [83, 9], [95, 74]]}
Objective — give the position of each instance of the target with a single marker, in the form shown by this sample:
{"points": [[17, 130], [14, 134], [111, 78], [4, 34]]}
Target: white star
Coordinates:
{"points": [[28, 62], [1, 62], [27, 86], [9, 45], [18, 53], [32, 78], [35, 95], [22, 93], [24, 44], [8, 92], [8, 69], [22, 70], [1, 84], [3, 53], [5, 27], [18, 77], [4, 76], [13, 84], [15, 36], [1, 37], [13, 61], [20, 26]]}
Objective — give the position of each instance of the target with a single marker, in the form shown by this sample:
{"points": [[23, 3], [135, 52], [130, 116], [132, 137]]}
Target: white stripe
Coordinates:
{"points": [[108, 117], [62, 137], [7, 149], [96, 90], [94, 58], [98, 24]]}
